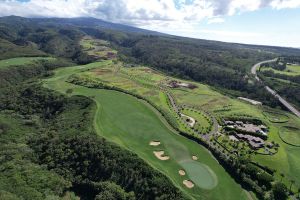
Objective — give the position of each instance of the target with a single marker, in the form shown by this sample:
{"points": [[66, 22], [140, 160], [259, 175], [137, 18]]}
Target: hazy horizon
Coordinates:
{"points": [[259, 22]]}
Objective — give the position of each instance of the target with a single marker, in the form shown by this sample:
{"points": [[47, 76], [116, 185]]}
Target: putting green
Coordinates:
{"points": [[200, 174], [132, 124]]}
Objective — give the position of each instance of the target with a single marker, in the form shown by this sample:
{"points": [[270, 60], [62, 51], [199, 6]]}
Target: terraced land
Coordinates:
{"points": [[132, 123], [98, 48]]}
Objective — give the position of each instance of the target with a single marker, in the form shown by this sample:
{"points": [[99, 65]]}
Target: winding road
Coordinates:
{"points": [[273, 92]]}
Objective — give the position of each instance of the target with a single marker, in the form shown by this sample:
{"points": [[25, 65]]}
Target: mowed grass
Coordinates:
{"points": [[202, 120], [132, 124], [276, 117], [290, 135], [21, 61]]}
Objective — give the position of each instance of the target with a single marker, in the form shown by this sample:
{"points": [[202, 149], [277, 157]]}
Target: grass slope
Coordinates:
{"points": [[21, 61], [132, 124]]}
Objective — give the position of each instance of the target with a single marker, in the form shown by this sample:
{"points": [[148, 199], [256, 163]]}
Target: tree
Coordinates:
{"points": [[280, 191], [109, 190]]}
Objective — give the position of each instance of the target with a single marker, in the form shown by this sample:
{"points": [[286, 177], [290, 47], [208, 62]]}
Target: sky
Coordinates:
{"points": [[265, 22]]}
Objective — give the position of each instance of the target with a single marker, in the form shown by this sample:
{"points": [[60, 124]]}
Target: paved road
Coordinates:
{"points": [[273, 92]]}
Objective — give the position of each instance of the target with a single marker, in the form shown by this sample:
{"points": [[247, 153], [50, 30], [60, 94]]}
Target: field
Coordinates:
{"points": [[21, 61], [133, 124], [291, 70], [97, 48]]}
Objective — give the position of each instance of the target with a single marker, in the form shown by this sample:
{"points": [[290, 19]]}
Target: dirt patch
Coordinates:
{"points": [[154, 143], [160, 155], [194, 157], [188, 183], [181, 172], [102, 71]]}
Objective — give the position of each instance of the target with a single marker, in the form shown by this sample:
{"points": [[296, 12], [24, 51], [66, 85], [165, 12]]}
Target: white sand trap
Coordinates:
{"points": [[191, 122], [160, 155], [181, 172], [194, 157], [188, 183], [154, 143]]}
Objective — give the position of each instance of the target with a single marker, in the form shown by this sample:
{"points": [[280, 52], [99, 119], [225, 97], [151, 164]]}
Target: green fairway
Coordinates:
{"points": [[131, 123], [290, 135], [276, 117], [21, 61]]}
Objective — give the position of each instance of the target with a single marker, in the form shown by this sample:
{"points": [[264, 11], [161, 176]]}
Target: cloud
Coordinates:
{"points": [[280, 4], [142, 13], [215, 20]]}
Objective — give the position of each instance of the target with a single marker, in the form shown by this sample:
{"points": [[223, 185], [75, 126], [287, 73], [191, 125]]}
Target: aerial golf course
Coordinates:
{"points": [[135, 125]]}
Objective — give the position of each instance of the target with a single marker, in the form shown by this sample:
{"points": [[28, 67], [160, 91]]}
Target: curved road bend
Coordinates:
{"points": [[273, 92]]}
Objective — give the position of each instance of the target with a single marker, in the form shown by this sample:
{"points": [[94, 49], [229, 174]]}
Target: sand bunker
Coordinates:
{"points": [[160, 155], [191, 121], [188, 183], [154, 143], [194, 157], [181, 172]]}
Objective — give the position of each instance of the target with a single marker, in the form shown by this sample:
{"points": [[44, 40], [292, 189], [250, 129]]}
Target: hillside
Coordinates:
{"points": [[223, 65], [95, 110]]}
